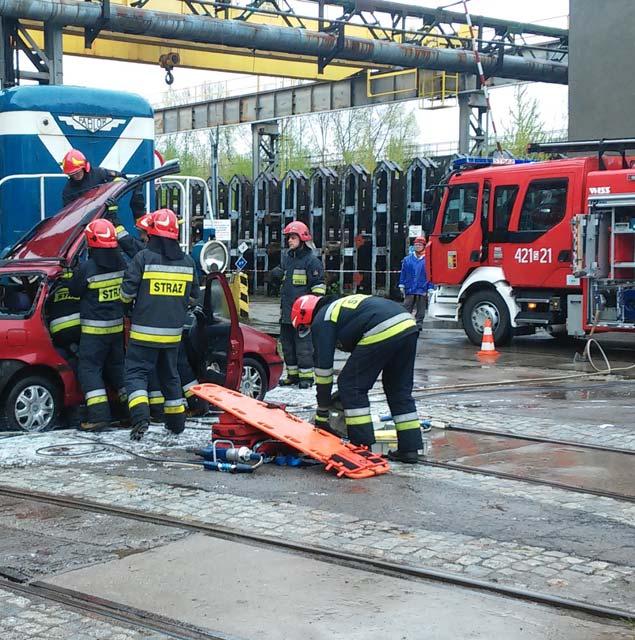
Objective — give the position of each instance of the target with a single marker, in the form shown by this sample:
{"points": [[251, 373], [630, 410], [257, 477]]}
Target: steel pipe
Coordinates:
{"points": [[450, 17], [236, 34]]}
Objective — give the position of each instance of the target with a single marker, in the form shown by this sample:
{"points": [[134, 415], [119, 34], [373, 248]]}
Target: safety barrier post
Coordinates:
{"points": [[239, 285]]}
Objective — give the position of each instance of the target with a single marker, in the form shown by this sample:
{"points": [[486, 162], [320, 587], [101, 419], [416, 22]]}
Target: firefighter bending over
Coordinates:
{"points": [[162, 281], [381, 338], [303, 274]]}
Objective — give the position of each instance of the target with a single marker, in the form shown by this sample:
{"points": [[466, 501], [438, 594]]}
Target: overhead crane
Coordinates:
{"points": [[270, 38], [401, 46]]}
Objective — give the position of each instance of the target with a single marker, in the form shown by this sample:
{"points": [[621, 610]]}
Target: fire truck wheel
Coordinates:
{"points": [[480, 306]]}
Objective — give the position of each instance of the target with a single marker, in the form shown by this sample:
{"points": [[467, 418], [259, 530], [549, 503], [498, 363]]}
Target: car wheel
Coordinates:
{"points": [[32, 404], [479, 307], [254, 382]]}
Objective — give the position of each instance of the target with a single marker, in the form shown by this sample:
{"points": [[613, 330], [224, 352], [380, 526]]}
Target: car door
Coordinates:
{"points": [[215, 341], [456, 244]]}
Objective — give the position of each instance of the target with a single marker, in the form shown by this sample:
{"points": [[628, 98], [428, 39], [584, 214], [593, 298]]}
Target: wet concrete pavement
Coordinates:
{"points": [[519, 534], [251, 592], [585, 468]]}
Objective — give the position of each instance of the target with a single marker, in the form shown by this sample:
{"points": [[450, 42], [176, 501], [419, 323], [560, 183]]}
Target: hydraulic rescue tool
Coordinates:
{"points": [[346, 459]]}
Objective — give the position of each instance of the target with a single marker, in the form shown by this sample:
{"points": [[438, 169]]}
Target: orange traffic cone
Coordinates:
{"points": [[488, 348]]}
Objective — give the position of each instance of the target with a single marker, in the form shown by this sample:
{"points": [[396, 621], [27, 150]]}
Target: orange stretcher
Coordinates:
{"points": [[346, 459]]}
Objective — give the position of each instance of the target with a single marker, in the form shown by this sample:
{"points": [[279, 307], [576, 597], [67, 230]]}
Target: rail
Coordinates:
{"points": [[330, 556]]}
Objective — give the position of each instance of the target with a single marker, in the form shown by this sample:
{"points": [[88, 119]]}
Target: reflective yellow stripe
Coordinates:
{"points": [[65, 325], [321, 418], [387, 333], [151, 337], [157, 400], [102, 331], [138, 400], [318, 289], [358, 419], [189, 394], [177, 409], [323, 379], [96, 400], [166, 275], [100, 284], [298, 280], [306, 374], [125, 298], [404, 426]]}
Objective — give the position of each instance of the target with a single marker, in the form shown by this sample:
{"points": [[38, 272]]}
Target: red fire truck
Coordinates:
{"points": [[538, 244]]}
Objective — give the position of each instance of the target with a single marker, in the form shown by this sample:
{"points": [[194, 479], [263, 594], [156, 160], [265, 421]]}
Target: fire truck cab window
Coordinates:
{"points": [[504, 199], [460, 209], [544, 205]]}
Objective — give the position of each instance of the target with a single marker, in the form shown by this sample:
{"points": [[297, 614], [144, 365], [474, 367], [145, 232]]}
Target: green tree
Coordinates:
{"points": [[525, 123], [191, 149]]}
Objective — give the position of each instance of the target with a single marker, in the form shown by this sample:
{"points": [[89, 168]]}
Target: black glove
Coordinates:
{"points": [[322, 419], [112, 209]]}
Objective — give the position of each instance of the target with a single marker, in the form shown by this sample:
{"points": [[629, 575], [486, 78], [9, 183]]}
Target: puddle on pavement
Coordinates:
{"points": [[586, 468]]}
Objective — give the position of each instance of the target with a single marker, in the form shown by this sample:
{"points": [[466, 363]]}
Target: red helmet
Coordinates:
{"points": [[303, 309], [143, 222], [420, 240], [101, 234], [74, 161], [298, 228], [163, 223]]}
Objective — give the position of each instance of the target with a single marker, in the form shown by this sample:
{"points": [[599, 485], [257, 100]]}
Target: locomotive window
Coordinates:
{"points": [[460, 209], [544, 205], [504, 199]]}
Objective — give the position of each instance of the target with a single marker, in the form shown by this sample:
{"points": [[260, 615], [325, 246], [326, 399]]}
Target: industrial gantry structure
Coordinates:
{"points": [[356, 52], [347, 53]]}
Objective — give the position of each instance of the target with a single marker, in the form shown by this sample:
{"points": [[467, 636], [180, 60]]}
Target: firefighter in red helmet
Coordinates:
{"points": [[97, 282], [382, 339], [302, 273], [161, 281], [82, 177]]}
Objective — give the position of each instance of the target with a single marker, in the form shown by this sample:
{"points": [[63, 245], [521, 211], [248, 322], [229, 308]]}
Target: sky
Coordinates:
{"points": [[436, 126]]}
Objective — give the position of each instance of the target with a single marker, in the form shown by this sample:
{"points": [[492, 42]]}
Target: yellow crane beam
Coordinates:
{"points": [[136, 48]]}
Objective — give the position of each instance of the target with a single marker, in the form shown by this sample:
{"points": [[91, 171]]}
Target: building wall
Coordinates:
{"points": [[602, 69]]}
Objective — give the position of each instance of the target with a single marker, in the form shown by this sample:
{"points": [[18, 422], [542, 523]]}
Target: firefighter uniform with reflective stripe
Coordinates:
{"points": [[62, 310], [161, 289], [303, 273], [101, 349], [381, 337]]}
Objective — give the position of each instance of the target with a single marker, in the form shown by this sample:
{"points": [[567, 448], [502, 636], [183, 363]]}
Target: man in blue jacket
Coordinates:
{"points": [[413, 281]]}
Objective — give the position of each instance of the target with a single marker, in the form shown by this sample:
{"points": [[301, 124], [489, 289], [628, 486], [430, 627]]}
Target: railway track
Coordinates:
{"points": [[363, 563], [110, 611]]}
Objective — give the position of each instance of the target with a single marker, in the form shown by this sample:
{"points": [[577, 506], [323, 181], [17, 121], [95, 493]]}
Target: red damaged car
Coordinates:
{"points": [[37, 382]]}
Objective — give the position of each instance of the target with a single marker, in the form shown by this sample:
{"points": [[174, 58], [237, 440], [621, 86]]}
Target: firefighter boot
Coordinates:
{"points": [[305, 384], [408, 457], [289, 381], [138, 430], [93, 426]]}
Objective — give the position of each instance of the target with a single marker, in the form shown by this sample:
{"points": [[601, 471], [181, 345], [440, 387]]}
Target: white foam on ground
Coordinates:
{"points": [[23, 450]]}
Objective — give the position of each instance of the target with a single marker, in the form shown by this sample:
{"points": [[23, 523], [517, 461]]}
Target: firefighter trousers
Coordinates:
{"points": [[141, 361], [188, 378], [297, 352], [101, 363], [395, 360]]}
